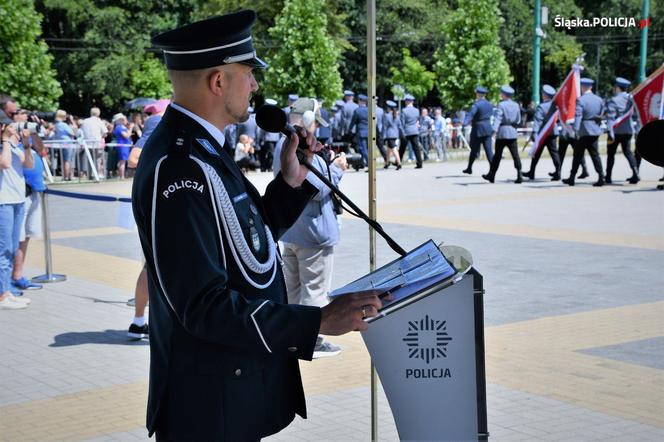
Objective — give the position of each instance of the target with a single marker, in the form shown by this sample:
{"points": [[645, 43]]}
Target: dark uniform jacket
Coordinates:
{"points": [[480, 116], [359, 123], [224, 342]]}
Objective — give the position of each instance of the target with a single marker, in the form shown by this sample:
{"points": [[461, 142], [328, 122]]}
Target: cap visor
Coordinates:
{"points": [[254, 63]]}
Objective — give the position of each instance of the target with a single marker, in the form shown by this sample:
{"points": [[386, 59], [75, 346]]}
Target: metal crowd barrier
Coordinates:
{"points": [[90, 148]]}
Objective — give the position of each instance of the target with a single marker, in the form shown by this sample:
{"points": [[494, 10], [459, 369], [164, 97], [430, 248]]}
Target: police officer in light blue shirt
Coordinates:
{"points": [[392, 131], [587, 117], [409, 120], [480, 134], [507, 119], [541, 112], [337, 120], [619, 116]]}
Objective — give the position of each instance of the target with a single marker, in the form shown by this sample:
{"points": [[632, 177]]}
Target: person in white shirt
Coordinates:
{"points": [[94, 130]]}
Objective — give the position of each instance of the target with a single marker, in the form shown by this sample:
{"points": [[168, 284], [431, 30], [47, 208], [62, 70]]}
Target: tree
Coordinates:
{"points": [[471, 54], [307, 58], [558, 49], [102, 46], [26, 72], [150, 80], [413, 76]]}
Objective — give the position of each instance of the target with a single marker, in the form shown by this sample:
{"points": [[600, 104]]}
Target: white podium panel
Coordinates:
{"points": [[425, 355]]}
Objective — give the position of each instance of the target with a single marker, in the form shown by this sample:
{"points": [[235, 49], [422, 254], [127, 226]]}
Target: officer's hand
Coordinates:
{"points": [[342, 161], [345, 313], [291, 170]]}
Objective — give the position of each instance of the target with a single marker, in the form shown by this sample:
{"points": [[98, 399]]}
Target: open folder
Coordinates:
{"points": [[418, 269]]}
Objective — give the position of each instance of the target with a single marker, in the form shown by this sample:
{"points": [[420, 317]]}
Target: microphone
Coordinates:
{"points": [[273, 119], [649, 142]]}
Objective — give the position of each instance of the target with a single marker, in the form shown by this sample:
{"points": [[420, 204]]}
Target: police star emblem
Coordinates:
{"points": [[427, 339]]}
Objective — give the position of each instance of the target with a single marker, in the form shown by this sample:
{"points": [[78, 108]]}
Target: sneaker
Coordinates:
{"points": [[9, 304], [23, 284], [131, 302], [20, 298], [137, 332], [325, 350]]}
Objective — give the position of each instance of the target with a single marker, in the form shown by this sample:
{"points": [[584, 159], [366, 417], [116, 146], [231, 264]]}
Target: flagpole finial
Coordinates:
{"points": [[580, 59]]}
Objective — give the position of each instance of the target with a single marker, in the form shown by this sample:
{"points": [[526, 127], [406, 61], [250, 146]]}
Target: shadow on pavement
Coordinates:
{"points": [[652, 189], [452, 176], [115, 337], [479, 183]]}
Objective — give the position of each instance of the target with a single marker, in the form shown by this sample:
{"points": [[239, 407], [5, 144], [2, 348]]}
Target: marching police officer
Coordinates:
{"points": [[359, 124], [393, 131], [507, 119], [379, 115], [409, 119], [348, 110], [324, 132], [542, 110], [619, 116], [224, 343], [292, 98], [337, 120], [480, 134], [587, 116]]}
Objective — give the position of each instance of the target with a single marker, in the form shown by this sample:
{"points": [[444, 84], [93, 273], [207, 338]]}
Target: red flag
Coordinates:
{"points": [[648, 97], [563, 108], [567, 94]]}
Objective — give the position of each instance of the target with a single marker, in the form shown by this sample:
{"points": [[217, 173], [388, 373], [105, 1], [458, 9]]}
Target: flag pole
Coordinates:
{"points": [[371, 95]]}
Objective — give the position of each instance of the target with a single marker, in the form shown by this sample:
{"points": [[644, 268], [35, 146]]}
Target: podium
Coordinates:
{"points": [[429, 354]]}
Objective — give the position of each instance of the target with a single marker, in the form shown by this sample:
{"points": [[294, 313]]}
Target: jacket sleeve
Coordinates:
{"points": [[186, 248], [498, 115], [578, 115], [470, 115]]}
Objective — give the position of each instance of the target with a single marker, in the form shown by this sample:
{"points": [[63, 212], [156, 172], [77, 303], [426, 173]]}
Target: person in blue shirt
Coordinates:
{"points": [[410, 116], [122, 137], [31, 225], [64, 132]]}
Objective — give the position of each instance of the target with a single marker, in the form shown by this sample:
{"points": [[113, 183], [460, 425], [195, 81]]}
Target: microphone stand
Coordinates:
{"points": [[302, 158]]}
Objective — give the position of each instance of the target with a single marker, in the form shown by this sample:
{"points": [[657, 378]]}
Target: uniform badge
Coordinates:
{"points": [[255, 239], [208, 146]]}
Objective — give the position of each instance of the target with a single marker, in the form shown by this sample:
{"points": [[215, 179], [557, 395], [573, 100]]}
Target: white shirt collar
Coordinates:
{"points": [[211, 128]]}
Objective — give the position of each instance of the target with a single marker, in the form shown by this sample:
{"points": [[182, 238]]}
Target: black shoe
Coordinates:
{"points": [[418, 166], [569, 181], [468, 171], [662, 178], [634, 179], [398, 166], [599, 183], [519, 178], [552, 174], [555, 177], [488, 177], [386, 166], [583, 175], [137, 332], [608, 180], [530, 175]]}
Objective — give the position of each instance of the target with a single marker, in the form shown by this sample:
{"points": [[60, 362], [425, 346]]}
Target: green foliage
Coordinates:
{"points": [[101, 46], [150, 80], [413, 75], [471, 55], [26, 72], [306, 60]]}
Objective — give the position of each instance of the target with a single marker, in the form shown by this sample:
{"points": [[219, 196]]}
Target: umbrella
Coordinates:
{"points": [[137, 103]]}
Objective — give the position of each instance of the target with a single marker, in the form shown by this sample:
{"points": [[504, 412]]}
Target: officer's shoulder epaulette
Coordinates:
{"points": [[181, 143]]}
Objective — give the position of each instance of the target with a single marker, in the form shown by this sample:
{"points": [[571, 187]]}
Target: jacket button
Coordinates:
{"points": [[238, 372], [292, 349]]}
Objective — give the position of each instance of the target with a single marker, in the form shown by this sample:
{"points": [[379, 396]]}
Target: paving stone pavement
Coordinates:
{"points": [[573, 307]]}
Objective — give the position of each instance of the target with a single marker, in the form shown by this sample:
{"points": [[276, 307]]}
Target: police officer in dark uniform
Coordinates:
{"points": [[347, 112], [542, 110], [507, 119], [224, 343], [587, 116], [480, 134], [619, 116], [359, 124]]}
